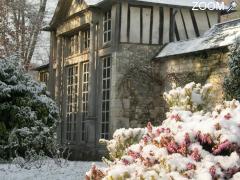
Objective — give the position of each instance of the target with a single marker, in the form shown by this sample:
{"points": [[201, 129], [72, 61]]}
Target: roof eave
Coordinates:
{"points": [[187, 53], [42, 67]]}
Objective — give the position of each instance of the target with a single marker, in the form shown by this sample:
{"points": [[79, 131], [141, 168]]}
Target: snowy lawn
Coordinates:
{"points": [[49, 171]]}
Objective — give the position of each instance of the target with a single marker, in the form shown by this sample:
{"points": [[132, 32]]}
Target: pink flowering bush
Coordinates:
{"points": [[188, 145]]}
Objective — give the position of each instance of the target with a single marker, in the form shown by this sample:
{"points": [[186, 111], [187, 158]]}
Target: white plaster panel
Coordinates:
{"points": [[146, 15], [134, 34], [166, 28], [213, 17], [180, 26], [156, 24], [201, 20], [188, 22], [124, 20]]}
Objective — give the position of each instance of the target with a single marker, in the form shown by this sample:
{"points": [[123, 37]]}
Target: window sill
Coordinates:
{"points": [[107, 44], [85, 51], [77, 54]]}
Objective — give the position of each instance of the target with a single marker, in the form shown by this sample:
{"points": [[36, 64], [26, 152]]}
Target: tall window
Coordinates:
{"points": [[76, 43], [73, 45], [85, 80], [106, 85], [107, 27], [72, 102], [86, 39]]}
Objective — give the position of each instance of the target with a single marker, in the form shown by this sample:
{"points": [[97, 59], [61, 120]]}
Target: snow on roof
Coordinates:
{"points": [[42, 67], [93, 2], [220, 35], [185, 3], [63, 5]]}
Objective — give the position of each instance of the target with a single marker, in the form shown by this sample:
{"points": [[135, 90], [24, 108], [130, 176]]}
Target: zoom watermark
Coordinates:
{"points": [[232, 6], [214, 5]]}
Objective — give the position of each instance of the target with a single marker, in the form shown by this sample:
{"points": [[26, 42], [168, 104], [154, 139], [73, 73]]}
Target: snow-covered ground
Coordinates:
{"points": [[49, 171]]}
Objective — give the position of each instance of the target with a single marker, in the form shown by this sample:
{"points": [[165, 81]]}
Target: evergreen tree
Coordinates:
{"points": [[232, 81], [28, 116]]}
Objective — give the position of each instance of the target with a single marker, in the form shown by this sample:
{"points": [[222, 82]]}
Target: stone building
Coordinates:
{"points": [[92, 42], [203, 59]]}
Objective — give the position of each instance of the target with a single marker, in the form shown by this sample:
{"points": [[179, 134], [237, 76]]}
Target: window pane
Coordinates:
{"points": [[84, 104], [107, 27], [106, 76], [109, 36], [72, 108], [109, 14]]}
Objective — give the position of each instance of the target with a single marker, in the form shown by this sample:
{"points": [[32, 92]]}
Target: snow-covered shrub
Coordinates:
{"points": [[122, 138], [188, 145], [32, 159], [192, 97], [61, 155], [28, 116]]}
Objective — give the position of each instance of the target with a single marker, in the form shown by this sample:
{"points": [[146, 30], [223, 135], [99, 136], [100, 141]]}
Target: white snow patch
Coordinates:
{"points": [[49, 171]]}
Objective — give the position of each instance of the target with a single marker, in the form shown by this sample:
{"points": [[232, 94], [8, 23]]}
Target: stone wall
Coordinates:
{"points": [[202, 67], [134, 107], [131, 106]]}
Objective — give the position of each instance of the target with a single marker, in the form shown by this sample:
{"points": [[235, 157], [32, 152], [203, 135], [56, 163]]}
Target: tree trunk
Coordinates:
{"points": [[36, 30]]}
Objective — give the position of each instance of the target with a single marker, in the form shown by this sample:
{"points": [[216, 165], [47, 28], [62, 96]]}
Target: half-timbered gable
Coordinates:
{"points": [[159, 24]]}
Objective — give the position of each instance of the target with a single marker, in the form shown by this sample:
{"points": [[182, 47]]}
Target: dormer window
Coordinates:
{"points": [[107, 27]]}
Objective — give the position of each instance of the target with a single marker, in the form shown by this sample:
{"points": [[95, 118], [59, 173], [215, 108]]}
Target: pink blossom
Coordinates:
{"points": [[168, 130], [176, 117], [146, 139], [179, 127], [228, 116], [172, 147], [204, 138], [212, 171], [133, 154], [187, 140], [191, 166], [147, 162], [149, 127], [182, 149], [125, 162], [159, 131], [225, 145], [95, 174], [195, 155]]}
